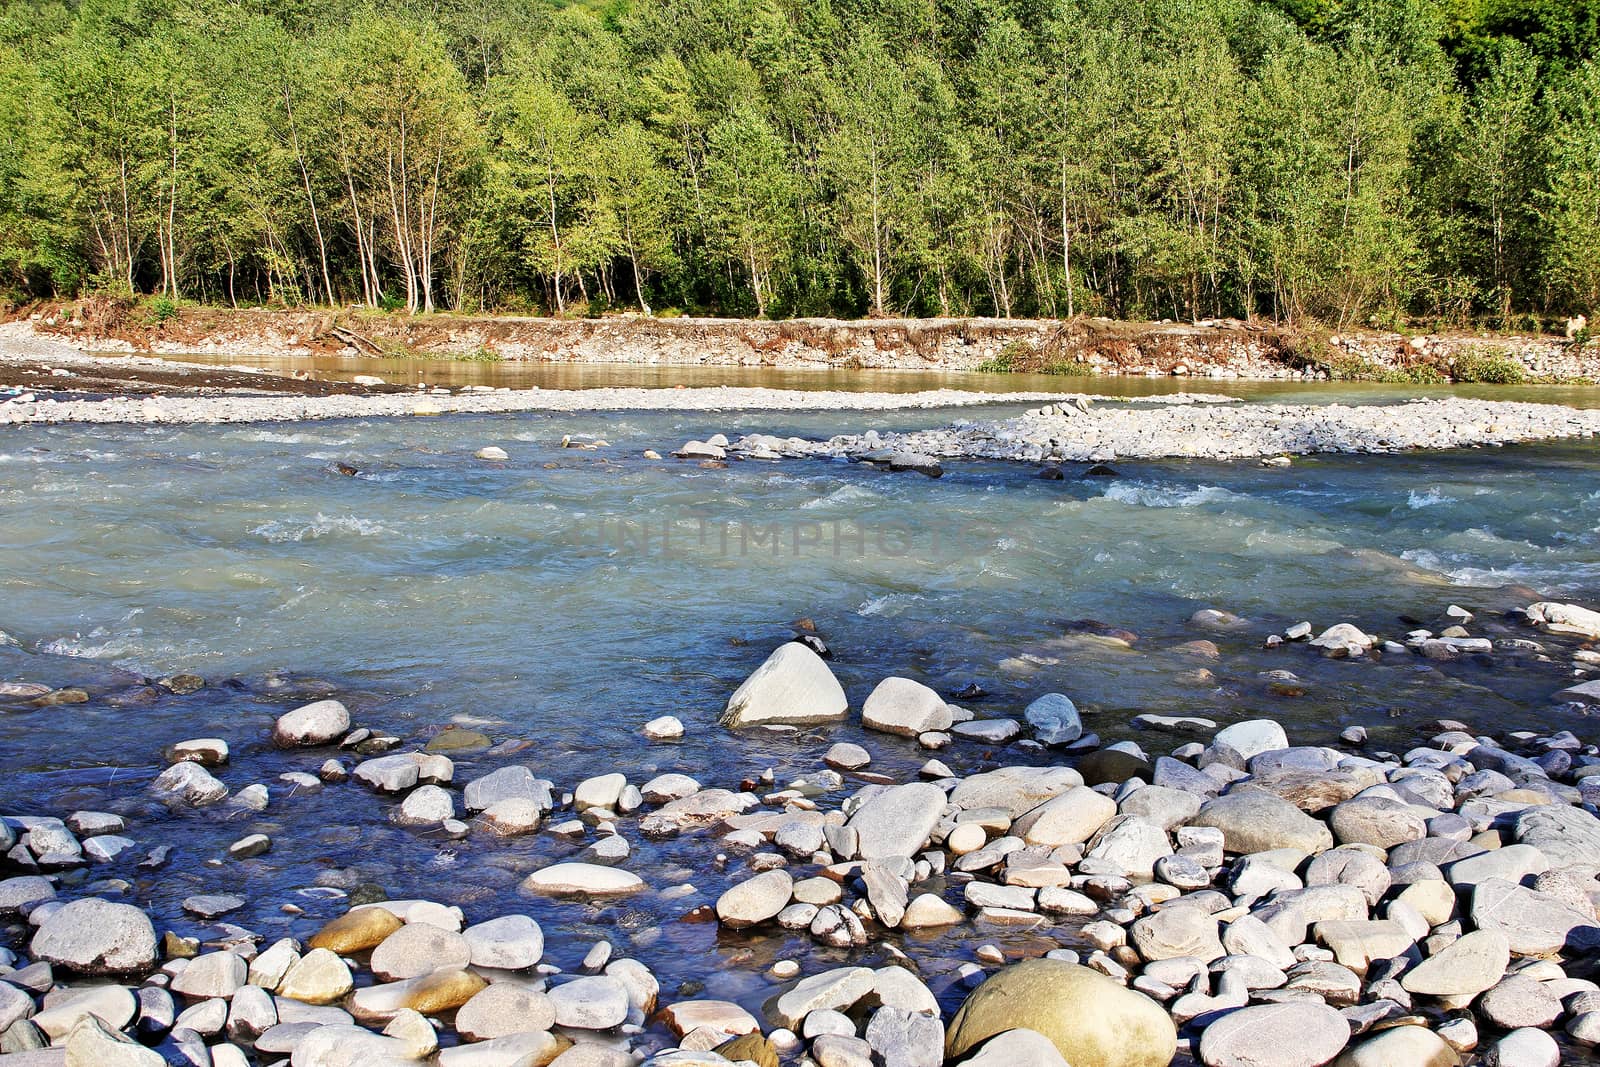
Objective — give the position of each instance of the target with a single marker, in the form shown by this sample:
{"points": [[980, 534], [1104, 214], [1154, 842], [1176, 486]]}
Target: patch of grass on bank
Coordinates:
{"points": [[1020, 357], [481, 354], [1416, 374], [1352, 367], [160, 310], [1492, 366], [391, 349]]}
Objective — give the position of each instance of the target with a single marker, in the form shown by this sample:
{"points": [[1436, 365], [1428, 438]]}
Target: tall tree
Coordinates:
{"points": [[1572, 202]]}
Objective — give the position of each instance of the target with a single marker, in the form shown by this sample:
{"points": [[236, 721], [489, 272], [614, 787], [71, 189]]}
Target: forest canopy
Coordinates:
{"points": [[1342, 161]]}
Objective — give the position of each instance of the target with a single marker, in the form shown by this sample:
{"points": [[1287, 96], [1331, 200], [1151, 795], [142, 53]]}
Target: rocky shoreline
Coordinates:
{"points": [[1082, 432], [1240, 902]]}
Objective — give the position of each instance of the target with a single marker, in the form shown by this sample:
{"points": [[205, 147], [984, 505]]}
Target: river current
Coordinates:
{"points": [[560, 599]]}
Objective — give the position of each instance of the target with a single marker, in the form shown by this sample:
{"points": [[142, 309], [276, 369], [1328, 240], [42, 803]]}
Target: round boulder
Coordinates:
{"points": [[1090, 1018], [314, 724], [756, 900]]}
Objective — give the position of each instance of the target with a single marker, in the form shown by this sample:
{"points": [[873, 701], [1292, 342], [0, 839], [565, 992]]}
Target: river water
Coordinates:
{"points": [[563, 598]]}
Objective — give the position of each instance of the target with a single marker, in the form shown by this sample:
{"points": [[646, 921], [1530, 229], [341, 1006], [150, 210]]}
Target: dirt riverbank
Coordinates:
{"points": [[1082, 346]]}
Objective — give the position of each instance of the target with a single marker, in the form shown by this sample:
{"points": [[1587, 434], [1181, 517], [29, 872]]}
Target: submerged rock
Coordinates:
{"points": [[1055, 719], [583, 879]]}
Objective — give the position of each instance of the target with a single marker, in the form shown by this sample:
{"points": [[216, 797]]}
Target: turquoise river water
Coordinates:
{"points": [[559, 600]]}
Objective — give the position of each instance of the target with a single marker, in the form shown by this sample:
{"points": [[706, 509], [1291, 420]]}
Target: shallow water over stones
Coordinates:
{"points": [[558, 601]]}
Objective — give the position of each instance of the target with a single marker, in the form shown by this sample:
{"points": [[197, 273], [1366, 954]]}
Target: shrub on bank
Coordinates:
{"points": [[1488, 365], [1021, 357]]}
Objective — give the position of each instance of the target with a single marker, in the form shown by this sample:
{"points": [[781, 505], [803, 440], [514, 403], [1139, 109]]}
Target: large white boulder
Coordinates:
{"points": [[794, 687]]}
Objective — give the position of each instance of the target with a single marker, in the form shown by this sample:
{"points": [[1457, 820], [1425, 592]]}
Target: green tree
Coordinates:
{"points": [[751, 199], [1571, 205]]}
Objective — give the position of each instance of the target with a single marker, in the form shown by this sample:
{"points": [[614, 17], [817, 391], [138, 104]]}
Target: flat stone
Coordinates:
{"points": [[211, 751], [389, 774], [1258, 1036], [94, 937], [356, 931], [111, 1004], [988, 731], [504, 1009], [721, 1016], [1016, 790], [511, 942], [214, 974], [1358, 943], [897, 821], [1463, 968], [583, 879], [834, 990], [212, 905], [1512, 863], [511, 1051], [350, 1046], [418, 949], [508, 783], [595, 1003], [669, 787], [1567, 836], [1535, 924]]}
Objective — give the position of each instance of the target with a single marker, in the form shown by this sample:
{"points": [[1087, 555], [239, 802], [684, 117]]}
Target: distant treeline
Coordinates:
{"points": [[1347, 161]]}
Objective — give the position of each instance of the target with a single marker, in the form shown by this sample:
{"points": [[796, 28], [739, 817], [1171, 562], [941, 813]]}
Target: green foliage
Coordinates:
{"points": [[1415, 374], [1013, 356], [1021, 357], [481, 354], [160, 309], [1350, 162], [1489, 365]]}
